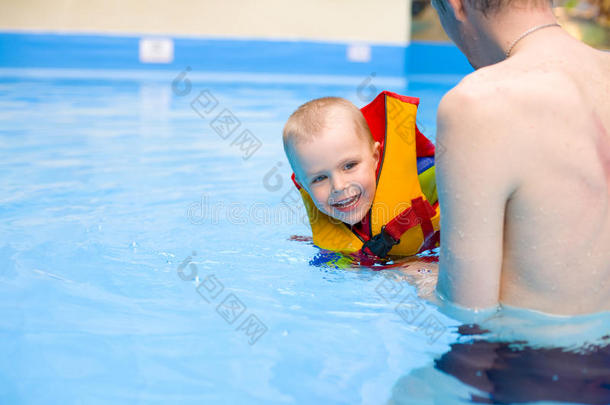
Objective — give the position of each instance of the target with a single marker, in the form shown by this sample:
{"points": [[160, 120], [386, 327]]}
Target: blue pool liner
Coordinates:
{"points": [[89, 51]]}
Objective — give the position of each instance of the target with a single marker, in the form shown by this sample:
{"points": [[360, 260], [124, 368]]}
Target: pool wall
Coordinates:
{"points": [[206, 54]]}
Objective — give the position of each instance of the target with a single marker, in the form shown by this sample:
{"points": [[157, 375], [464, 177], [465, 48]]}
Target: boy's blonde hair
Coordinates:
{"points": [[310, 118]]}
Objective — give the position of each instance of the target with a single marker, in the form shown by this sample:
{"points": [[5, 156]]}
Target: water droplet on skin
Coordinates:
{"points": [[460, 234]]}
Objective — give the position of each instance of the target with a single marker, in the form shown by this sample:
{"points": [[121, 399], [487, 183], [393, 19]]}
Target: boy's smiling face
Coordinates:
{"points": [[337, 168]]}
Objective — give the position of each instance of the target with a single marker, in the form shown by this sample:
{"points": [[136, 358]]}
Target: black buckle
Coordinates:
{"points": [[380, 244]]}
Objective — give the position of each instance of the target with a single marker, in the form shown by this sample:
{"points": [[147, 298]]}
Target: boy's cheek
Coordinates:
{"points": [[319, 202]]}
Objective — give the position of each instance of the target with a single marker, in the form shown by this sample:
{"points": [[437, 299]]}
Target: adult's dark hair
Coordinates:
{"points": [[488, 7]]}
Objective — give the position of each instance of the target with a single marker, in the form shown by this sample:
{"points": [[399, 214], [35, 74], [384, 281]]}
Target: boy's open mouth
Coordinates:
{"points": [[345, 204]]}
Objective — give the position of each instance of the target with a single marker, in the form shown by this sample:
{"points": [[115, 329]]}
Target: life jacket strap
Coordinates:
{"points": [[380, 244], [431, 242], [419, 213]]}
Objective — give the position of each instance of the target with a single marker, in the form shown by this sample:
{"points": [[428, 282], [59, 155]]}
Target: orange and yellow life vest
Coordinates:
{"points": [[404, 216]]}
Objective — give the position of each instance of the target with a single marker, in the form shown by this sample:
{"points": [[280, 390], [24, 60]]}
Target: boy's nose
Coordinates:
{"points": [[338, 184]]}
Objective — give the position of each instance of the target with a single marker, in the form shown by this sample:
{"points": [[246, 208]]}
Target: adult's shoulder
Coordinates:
{"points": [[506, 101], [480, 102], [479, 93], [504, 86], [488, 115]]}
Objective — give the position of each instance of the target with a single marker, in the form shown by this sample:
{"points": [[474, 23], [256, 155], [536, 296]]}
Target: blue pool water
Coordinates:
{"points": [[119, 199]]}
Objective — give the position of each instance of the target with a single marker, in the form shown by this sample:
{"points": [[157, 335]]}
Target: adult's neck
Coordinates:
{"points": [[498, 31]]}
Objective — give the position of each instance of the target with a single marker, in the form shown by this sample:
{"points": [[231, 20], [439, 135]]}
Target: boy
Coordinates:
{"points": [[337, 160], [334, 157]]}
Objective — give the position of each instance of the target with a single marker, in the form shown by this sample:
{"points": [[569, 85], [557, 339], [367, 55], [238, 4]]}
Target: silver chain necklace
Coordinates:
{"points": [[526, 33]]}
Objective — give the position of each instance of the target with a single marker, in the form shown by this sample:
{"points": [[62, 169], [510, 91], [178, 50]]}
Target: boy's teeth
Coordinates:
{"points": [[345, 202]]}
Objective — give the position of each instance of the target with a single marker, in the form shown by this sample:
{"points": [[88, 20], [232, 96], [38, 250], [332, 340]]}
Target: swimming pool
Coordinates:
{"points": [[149, 254]]}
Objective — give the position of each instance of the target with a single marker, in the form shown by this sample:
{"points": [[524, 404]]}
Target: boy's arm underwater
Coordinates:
{"points": [[421, 273]]}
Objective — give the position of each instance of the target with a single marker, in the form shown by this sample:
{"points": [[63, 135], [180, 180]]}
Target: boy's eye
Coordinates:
{"points": [[318, 179], [350, 165]]}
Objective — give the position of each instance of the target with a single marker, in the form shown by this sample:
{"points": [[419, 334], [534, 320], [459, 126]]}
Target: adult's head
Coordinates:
{"points": [[485, 29]]}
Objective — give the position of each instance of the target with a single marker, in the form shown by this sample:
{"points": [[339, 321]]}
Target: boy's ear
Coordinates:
{"points": [[377, 152]]}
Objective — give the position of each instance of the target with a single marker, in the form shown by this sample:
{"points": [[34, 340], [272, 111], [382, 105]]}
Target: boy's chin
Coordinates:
{"points": [[350, 219]]}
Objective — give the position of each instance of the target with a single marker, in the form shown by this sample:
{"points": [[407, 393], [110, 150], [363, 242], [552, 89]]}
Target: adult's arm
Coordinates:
{"points": [[475, 179]]}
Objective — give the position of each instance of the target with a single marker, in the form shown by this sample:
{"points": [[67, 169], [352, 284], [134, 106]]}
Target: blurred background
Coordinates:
{"points": [[316, 19], [387, 22], [587, 20]]}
